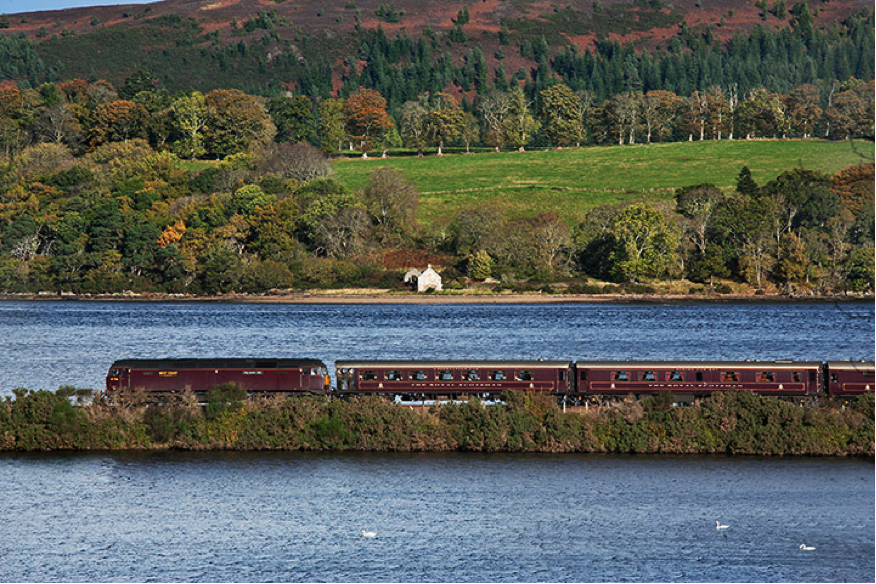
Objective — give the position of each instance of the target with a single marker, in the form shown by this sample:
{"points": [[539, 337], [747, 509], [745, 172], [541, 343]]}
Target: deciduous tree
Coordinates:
{"points": [[366, 117]]}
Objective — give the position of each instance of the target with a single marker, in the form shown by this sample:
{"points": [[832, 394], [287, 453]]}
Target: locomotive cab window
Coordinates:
{"points": [[394, 375], [445, 375], [524, 376], [766, 376], [649, 376], [418, 375], [315, 371], [114, 371], [369, 375], [497, 376], [471, 375], [675, 376], [730, 376], [621, 376]]}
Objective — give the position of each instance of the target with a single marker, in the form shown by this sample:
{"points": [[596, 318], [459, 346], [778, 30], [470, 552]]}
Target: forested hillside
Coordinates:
{"points": [[141, 164]]}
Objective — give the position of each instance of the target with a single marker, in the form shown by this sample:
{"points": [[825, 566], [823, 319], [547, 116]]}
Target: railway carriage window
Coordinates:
{"points": [[445, 375], [393, 375], [730, 376], [562, 375], [649, 376], [470, 375], [418, 375], [524, 376], [497, 376], [621, 376], [869, 374], [583, 375], [677, 376], [833, 377], [369, 375], [766, 376], [795, 376]]}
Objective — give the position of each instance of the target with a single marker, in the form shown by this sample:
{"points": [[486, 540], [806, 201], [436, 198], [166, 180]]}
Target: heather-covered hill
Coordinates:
{"points": [[263, 45]]}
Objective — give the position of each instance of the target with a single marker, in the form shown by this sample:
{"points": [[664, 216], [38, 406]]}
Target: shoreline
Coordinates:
{"points": [[385, 297]]}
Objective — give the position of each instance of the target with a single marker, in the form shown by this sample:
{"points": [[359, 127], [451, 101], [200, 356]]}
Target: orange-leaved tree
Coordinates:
{"points": [[366, 115]]}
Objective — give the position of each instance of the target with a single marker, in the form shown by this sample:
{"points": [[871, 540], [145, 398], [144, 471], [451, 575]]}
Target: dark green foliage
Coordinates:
{"points": [[223, 398], [731, 423], [19, 60], [388, 13]]}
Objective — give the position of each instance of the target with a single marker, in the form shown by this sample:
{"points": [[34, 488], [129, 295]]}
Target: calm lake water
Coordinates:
{"points": [[449, 517], [48, 344]]}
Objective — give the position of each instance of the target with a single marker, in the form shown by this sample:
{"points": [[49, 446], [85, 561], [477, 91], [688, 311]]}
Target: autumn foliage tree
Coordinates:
{"points": [[118, 121], [445, 120], [238, 123], [366, 117]]}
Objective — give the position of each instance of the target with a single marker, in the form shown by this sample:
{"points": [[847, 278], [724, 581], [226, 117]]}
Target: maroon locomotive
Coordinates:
{"points": [[451, 379], [255, 376], [687, 380]]}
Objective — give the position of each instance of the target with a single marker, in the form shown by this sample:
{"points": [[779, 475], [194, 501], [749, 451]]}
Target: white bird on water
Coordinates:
{"points": [[808, 548], [718, 525], [369, 534]]}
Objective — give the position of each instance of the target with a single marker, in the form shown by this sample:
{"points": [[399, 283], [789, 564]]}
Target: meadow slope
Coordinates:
{"points": [[571, 181]]}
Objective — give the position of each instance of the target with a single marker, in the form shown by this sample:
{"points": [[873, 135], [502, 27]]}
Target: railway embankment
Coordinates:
{"points": [[732, 423]]}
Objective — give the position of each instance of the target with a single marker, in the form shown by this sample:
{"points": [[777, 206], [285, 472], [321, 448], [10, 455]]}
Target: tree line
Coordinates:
{"points": [[84, 116]]}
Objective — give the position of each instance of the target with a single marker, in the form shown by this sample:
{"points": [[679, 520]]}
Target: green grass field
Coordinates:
{"points": [[570, 181]]}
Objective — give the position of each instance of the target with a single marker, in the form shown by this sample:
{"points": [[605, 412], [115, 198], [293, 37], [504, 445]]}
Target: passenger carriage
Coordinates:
{"points": [[420, 380], [612, 380], [850, 378]]}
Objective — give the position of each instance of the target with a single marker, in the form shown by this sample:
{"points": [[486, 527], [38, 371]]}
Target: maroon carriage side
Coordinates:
{"points": [[607, 380], [850, 378], [451, 379]]}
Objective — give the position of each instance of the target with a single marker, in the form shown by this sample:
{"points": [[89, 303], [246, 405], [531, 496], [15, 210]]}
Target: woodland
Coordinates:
{"points": [[138, 187]]}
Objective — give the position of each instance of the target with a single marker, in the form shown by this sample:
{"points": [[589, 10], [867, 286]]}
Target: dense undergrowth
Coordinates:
{"points": [[730, 423]]}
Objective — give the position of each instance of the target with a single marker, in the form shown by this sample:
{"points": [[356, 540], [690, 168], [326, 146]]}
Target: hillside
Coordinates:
{"points": [[262, 46], [570, 182]]}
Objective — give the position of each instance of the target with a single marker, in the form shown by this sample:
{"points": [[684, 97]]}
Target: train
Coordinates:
{"points": [[570, 382]]}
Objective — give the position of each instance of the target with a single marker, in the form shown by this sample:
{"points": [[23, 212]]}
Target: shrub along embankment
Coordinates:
{"points": [[731, 423]]}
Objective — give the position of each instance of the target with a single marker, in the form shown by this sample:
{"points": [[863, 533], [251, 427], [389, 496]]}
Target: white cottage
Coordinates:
{"points": [[424, 280]]}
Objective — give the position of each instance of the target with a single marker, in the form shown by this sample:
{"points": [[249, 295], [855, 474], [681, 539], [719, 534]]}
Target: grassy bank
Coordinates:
{"points": [[732, 423], [571, 181]]}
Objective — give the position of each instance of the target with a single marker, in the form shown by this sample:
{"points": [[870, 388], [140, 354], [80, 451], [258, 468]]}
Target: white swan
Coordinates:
{"points": [[369, 533], [808, 548], [718, 525]]}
